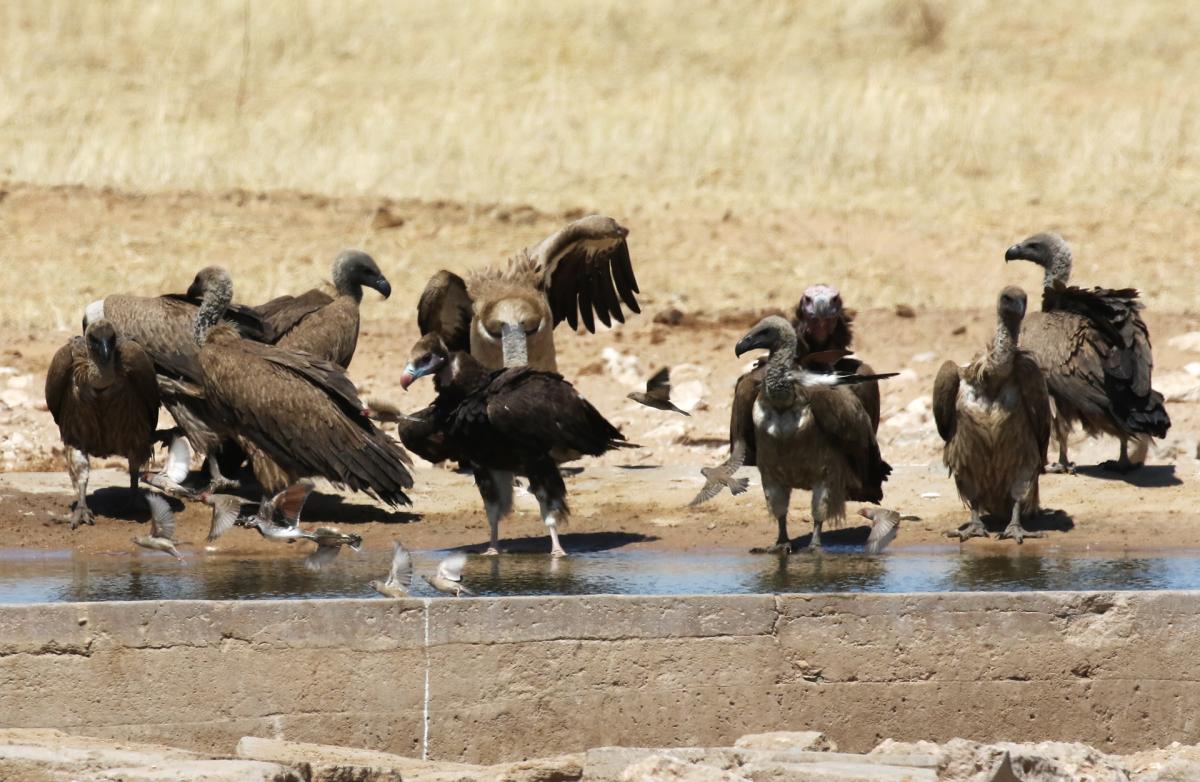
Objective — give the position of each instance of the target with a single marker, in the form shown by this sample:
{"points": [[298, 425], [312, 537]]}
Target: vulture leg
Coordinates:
{"points": [[1124, 464], [1062, 429], [778, 499], [547, 485], [79, 469], [134, 493], [1014, 529], [972, 529], [496, 488], [820, 512]]}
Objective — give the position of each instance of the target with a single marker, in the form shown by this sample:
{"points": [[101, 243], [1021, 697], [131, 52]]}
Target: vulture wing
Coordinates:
{"points": [[59, 378], [246, 320], [139, 371], [280, 315], [1035, 397], [741, 418], [402, 569], [842, 418], [542, 412], [586, 272], [445, 308], [945, 400]]}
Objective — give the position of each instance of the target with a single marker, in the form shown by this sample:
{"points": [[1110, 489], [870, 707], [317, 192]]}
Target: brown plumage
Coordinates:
{"points": [[811, 434], [102, 392], [324, 322], [294, 414], [994, 415], [658, 393], [1094, 349], [721, 476], [506, 316], [822, 324]]}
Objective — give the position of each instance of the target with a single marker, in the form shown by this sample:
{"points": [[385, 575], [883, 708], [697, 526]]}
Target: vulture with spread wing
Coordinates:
{"points": [[994, 415], [1094, 349], [324, 322]]}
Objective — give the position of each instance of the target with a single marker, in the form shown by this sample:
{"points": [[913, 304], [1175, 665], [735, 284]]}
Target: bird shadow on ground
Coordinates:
{"points": [[335, 508], [115, 502], [574, 543], [1151, 476], [843, 536], [1047, 520], [639, 466]]}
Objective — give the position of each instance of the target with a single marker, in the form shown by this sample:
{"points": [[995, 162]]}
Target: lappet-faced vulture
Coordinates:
{"points": [[994, 415], [811, 434], [823, 326], [164, 327], [325, 322], [294, 414], [102, 392], [1094, 349], [509, 421]]}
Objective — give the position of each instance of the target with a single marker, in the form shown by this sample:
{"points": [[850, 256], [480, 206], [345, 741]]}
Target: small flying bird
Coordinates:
{"points": [[329, 542], [226, 513], [399, 580], [286, 504], [175, 470], [717, 478], [658, 393], [885, 523], [448, 578], [162, 527]]}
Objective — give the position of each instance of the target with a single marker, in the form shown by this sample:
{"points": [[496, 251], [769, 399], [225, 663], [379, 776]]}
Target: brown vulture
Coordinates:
{"points": [[822, 325], [325, 322], [503, 422], [102, 392], [994, 415], [164, 327], [294, 414], [1094, 349], [812, 433]]}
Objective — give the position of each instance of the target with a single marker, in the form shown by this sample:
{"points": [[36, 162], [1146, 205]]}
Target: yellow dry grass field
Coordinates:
{"points": [[892, 146]]}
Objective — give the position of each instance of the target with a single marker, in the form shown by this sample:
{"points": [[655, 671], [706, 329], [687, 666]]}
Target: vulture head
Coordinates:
{"points": [[353, 269], [771, 333], [214, 287], [1048, 250], [510, 323], [101, 338], [427, 356], [1011, 307], [820, 310], [455, 373]]}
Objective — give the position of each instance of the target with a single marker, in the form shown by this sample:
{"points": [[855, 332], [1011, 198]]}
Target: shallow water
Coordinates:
{"points": [[27, 577]]}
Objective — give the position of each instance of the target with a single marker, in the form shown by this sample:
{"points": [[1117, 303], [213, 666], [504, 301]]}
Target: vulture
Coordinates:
{"points": [[994, 415], [325, 322], [164, 327], [1094, 349], [505, 317], [294, 414], [102, 392], [811, 433], [518, 420], [823, 331]]}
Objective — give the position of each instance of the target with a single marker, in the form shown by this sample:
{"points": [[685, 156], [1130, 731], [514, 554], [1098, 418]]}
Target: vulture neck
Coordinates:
{"points": [[778, 386], [344, 285], [101, 374], [461, 376], [1004, 345], [216, 299], [1059, 268], [515, 344]]}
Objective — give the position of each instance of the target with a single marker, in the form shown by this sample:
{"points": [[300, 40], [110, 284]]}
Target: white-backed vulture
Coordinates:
{"points": [[509, 421], [505, 317], [164, 326], [324, 322], [102, 392], [811, 434], [1094, 349], [822, 326], [294, 414], [994, 415]]}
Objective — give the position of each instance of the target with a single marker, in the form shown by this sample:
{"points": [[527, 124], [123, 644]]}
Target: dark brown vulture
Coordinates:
{"points": [[1094, 349], [812, 433], [102, 392], [505, 317], [164, 327], [294, 414], [994, 415], [822, 325], [325, 322], [508, 421]]}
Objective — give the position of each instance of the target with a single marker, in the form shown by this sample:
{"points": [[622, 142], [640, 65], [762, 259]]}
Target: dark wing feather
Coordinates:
{"points": [[586, 272], [59, 379], [945, 400], [248, 321], [445, 308], [1035, 397], [842, 418], [139, 371], [659, 386], [741, 418], [541, 412], [282, 314]]}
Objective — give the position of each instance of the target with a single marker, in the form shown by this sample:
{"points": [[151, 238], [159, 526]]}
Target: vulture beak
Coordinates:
{"points": [[411, 373], [751, 341], [195, 290], [1016, 253], [381, 284], [515, 344], [104, 351]]}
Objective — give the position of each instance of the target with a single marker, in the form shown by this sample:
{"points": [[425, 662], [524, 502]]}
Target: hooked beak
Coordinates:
{"points": [[411, 375], [515, 345], [1017, 253], [746, 344], [381, 284], [104, 349]]}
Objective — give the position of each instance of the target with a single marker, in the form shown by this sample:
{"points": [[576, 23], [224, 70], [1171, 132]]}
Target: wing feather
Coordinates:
{"points": [[945, 400], [445, 308], [451, 567], [586, 272]]}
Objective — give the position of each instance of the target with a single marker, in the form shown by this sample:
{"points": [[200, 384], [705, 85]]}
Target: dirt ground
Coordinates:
{"points": [[633, 498]]}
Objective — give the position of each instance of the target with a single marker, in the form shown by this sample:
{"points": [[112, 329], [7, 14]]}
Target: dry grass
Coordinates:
{"points": [[882, 104]]}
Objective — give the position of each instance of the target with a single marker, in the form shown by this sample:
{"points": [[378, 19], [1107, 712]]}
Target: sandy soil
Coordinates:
{"points": [[636, 498]]}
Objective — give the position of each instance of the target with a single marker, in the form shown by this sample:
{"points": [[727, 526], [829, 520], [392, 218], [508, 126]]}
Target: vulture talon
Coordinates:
{"points": [[1018, 533], [972, 529], [81, 514], [491, 551], [784, 548], [1059, 468]]}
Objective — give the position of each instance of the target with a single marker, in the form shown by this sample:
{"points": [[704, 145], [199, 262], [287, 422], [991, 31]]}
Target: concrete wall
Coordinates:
{"points": [[500, 679]]}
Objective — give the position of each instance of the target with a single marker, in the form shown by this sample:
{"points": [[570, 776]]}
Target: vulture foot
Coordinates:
{"points": [[1059, 468], [1122, 466], [557, 552], [1018, 533], [783, 547], [972, 529], [81, 514], [492, 551]]}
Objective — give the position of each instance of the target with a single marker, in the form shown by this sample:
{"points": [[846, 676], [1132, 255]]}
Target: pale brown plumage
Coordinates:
{"points": [[294, 414], [102, 392], [658, 393], [811, 434], [721, 476], [1094, 349], [994, 416], [325, 322]]}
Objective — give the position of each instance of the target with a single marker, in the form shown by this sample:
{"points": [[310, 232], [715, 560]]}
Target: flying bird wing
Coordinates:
{"points": [[586, 272], [322, 557], [402, 569], [290, 502], [451, 567], [711, 489], [162, 518], [445, 308], [179, 459], [883, 532], [226, 509], [659, 386]]}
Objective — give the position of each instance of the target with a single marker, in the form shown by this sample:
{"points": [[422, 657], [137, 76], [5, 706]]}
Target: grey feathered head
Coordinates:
{"points": [[1048, 250], [353, 269]]}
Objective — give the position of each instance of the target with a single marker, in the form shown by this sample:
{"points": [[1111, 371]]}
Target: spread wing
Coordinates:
{"points": [[290, 501], [586, 272], [179, 459], [1035, 397], [58, 380], [445, 308], [322, 557], [280, 315], [402, 569], [945, 400], [659, 386], [883, 532], [226, 509], [162, 518], [451, 567]]}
